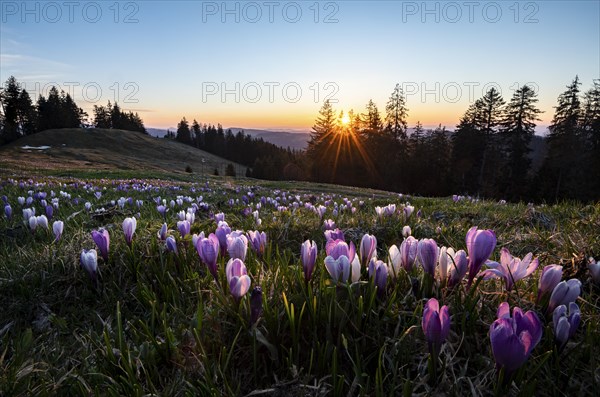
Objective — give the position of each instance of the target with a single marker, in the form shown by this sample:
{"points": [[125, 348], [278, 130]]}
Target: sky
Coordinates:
{"points": [[272, 64]]}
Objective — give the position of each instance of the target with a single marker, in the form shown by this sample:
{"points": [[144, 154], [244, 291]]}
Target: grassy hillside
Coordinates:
{"points": [[107, 150]]}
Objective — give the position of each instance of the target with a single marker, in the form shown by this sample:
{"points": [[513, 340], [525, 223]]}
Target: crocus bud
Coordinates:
{"points": [[102, 240], [8, 211], [435, 324], [564, 293], [406, 231], [171, 244], [308, 255], [129, 225], [408, 252], [57, 228], [549, 279], [339, 269], [222, 231], [87, 206], [594, 270], [378, 271], [565, 324], [89, 262], [480, 245], [443, 261], [208, 250], [428, 255], [49, 211], [42, 221], [237, 245], [395, 261], [162, 233], [184, 228], [458, 267], [367, 249], [237, 278], [258, 242], [33, 223]]}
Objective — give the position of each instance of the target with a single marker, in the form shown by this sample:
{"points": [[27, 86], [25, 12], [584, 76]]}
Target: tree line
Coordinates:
{"points": [[19, 116], [489, 154], [263, 160]]}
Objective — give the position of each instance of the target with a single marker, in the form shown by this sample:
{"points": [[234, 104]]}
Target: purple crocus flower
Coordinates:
{"points": [[328, 224], [8, 211], [594, 267], [57, 228], [428, 253], [549, 279], [457, 267], [208, 250], [49, 211], [222, 231], [337, 248], [184, 228], [378, 271], [237, 278], [42, 221], [220, 217], [510, 268], [237, 245], [565, 325], [129, 225], [162, 209], [258, 242], [367, 249], [408, 252], [308, 256], [162, 233], [335, 234], [480, 245], [102, 240], [513, 338], [564, 293], [435, 324], [171, 244]]}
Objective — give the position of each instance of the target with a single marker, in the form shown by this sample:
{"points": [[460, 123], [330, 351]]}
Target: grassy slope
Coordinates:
{"points": [[107, 151], [159, 323]]}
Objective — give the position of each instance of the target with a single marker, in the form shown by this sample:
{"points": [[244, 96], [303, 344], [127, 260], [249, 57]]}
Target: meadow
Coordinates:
{"points": [[157, 310]]}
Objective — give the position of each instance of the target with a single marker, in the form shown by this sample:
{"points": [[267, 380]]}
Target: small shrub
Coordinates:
{"points": [[230, 170], [188, 169]]}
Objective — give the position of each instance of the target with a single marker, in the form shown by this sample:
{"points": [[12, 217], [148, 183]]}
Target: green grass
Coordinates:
{"points": [[159, 324]]}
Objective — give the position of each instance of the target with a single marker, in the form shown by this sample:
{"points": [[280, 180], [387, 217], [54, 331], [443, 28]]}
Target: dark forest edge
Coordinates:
{"points": [[489, 154]]}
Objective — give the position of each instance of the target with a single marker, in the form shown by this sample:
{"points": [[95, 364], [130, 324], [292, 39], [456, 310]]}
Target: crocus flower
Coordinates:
{"points": [[308, 256], [513, 338], [196, 238], [162, 209], [237, 278], [208, 250], [378, 271], [171, 244], [162, 233], [549, 279], [395, 260], [565, 325], [443, 262], [258, 241], [436, 324], [510, 268], [237, 245], [480, 245], [42, 221], [329, 224], [57, 228], [32, 223], [339, 269], [594, 270], [368, 249], [406, 231], [89, 262], [336, 248], [220, 217], [8, 211], [408, 252], [335, 234], [222, 231], [408, 210], [102, 240], [458, 266], [129, 225], [564, 293], [49, 211], [428, 253], [184, 228]]}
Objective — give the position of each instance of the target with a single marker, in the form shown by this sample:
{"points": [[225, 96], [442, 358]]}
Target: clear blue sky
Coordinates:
{"points": [[270, 64]]}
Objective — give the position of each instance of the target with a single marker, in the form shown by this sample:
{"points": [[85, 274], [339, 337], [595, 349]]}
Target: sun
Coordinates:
{"points": [[345, 119]]}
